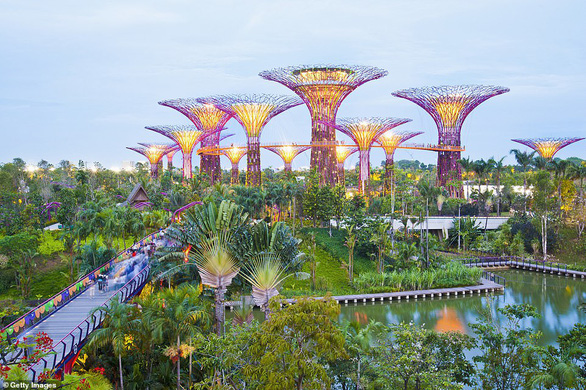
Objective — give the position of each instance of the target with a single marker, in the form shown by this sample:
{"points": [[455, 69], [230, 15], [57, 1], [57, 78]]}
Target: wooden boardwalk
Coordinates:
{"points": [[485, 287]]}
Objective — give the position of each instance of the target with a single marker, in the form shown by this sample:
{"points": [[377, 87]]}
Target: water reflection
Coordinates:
{"points": [[556, 299]]}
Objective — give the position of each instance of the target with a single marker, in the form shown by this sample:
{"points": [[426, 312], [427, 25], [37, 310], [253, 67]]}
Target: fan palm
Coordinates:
{"points": [[217, 267], [265, 273]]}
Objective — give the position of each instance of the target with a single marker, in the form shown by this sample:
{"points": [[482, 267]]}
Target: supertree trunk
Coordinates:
{"points": [[448, 168], [323, 158], [216, 169], [187, 174], [253, 174], [154, 171], [288, 167], [170, 163], [364, 176], [341, 174], [235, 174], [389, 174]]}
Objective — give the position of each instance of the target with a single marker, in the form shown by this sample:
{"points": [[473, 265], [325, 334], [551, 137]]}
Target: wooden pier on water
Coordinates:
{"points": [[487, 286]]}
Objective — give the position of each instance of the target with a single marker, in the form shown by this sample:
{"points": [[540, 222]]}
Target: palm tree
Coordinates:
{"points": [[467, 165], [350, 243], [540, 163], [481, 169], [359, 340], [559, 169], [524, 159], [180, 313], [217, 267], [265, 273], [114, 329], [381, 239], [498, 168]]}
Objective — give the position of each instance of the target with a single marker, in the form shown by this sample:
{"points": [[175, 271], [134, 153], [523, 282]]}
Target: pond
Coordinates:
{"points": [[556, 298]]}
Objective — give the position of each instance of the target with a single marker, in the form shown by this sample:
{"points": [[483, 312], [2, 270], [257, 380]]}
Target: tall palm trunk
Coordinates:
{"points": [[220, 315], [178, 363], [120, 368]]}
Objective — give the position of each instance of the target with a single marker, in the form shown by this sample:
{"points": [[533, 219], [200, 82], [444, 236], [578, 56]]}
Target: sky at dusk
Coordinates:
{"points": [[80, 80]]}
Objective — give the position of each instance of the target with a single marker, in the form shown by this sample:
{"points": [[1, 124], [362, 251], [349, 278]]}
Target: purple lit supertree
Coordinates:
{"points": [[323, 88], [342, 153], [154, 153], [253, 112], [449, 105], [287, 152], [364, 131], [186, 137], [209, 119], [547, 147], [389, 142]]}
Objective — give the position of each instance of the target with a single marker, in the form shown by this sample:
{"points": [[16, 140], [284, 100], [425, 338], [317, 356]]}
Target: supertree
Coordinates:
{"points": [[449, 105], [234, 154], [287, 153], [186, 137], [170, 155], [342, 153], [547, 147], [153, 152], [253, 112], [364, 131], [323, 88], [389, 142], [207, 118]]}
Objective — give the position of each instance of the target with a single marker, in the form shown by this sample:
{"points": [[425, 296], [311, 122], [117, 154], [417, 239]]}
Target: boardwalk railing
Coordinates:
{"points": [[69, 346], [516, 261], [60, 299], [494, 278]]}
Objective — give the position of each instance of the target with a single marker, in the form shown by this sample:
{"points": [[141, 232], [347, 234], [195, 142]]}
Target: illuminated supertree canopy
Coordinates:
{"points": [[389, 142], [287, 152], [253, 112], [342, 153], [449, 106], [234, 154], [364, 131], [547, 147], [153, 152], [206, 117], [186, 137], [323, 88]]}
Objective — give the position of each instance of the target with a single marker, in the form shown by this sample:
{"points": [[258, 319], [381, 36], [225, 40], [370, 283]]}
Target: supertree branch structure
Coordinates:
{"points": [[323, 88], [253, 112], [547, 147], [234, 154], [449, 106], [170, 154], [207, 118], [389, 142], [186, 137], [364, 131], [153, 153], [342, 153], [287, 152]]}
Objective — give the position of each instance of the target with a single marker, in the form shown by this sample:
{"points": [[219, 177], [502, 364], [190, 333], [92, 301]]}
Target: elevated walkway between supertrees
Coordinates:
{"points": [[66, 318]]}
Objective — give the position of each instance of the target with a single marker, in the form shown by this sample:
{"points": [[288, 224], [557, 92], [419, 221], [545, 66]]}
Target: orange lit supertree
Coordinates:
{"points": [[323, 88], [170, 155], [186, 137], [207, 118], [342, 153], [364, 131], [287, 153], [449, 105], [390, 141], [253, 112], [234, 154], [154, 153], [547, 147]]}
